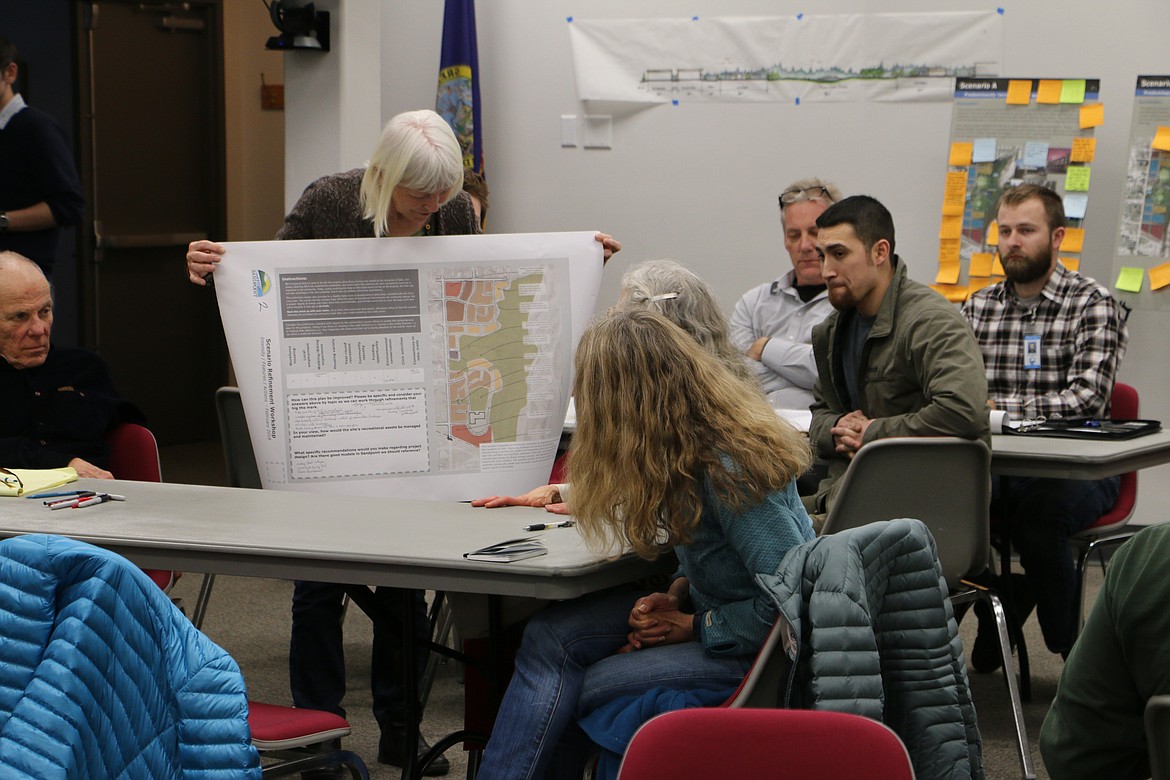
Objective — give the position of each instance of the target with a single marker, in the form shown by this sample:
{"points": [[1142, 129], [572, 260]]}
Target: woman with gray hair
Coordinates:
{"points": [[681, 295]]}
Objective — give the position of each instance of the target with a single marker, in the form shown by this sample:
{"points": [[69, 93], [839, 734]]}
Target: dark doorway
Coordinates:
{"points": [[150, 88]]}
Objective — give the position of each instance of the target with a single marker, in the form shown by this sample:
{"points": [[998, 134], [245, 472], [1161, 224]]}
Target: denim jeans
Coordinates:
{"points": [[566, 667], [316, 660], [1042, 514]]}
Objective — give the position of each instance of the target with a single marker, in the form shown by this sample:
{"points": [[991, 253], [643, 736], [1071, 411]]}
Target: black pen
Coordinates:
{"points": [[549, 526]]}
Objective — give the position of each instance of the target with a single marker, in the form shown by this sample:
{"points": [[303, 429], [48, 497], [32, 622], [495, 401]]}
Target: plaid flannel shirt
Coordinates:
{"points": [[1083, 336]]}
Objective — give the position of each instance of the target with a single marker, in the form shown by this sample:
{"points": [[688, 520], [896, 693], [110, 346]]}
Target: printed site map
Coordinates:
{"points": [[492, 336]]}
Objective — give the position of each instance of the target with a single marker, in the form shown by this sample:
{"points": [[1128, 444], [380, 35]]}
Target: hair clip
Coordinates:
{"points": [[663, 297]]}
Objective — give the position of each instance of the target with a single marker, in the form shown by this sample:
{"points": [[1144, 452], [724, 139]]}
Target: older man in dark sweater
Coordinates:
{"points": [[56, 404]]}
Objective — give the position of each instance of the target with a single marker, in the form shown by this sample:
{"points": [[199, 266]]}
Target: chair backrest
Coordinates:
{"points": [[943, 481], [762, 685], [811, 745], [134, 453], [1158, 736], [237, 443]]}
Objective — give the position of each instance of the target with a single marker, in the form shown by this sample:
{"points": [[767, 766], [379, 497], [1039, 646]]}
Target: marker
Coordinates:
{"points": [[88, 502], [550, 526], [68, 503]]}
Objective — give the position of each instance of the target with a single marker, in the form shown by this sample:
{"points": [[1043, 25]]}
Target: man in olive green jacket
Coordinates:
{"points": [[895, 358], [1095, 728]]}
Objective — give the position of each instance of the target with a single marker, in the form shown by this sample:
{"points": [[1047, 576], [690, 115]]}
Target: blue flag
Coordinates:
{"points": [[458, 95]]}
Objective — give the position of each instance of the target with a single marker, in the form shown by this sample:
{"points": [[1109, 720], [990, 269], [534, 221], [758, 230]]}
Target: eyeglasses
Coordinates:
{"points": [[11, 478], [809, 193]]}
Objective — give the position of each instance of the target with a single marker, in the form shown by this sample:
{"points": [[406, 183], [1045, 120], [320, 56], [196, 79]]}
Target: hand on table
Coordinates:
{"points": [[546, 496], [86, 469]]}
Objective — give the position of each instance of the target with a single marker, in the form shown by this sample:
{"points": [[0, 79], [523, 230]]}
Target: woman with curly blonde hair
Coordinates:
{"points": [[672, 450]]}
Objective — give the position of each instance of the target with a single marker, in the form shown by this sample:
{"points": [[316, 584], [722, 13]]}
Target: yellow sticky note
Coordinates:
{"points": [[1162, 139], [1072, 91], [1084, 148], [1019, 92], [955, 194], [992, 238], [961, 152], [1159, 276], [1074, 239], [997, 267], [981, 264], [948, 250], [1049, 91], [1130, 279], [955, 293], [1092, 115], [952, 227], [976, 284], [1076, 178], [1071, 263]]}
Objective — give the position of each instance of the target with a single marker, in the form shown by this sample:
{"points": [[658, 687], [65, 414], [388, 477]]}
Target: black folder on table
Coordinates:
{"points": [[1088, 428]]}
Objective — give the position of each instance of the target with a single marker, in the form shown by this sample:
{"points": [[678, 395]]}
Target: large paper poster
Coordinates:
{"points": [[1141, 263], [434, 367], [818, 57], [1006, 132]]}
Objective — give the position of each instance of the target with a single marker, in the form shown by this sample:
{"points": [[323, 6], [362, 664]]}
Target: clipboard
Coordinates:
{"points": [[1087, 428]]}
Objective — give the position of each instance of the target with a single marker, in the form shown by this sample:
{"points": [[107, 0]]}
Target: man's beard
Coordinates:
{"points": [[1023, 268]]}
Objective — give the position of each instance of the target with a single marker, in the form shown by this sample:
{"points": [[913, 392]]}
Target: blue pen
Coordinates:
{"points": [[57, 495]]}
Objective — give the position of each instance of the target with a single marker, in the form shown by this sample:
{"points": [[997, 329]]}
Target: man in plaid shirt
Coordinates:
{"points": [[1051, 341]]}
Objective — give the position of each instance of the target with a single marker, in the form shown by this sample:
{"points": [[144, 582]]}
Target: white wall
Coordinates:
{"points": [[699, 182]]}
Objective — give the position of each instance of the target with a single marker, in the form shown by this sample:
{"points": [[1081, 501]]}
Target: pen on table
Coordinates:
{"points": [[549, 526], [59, 495]]}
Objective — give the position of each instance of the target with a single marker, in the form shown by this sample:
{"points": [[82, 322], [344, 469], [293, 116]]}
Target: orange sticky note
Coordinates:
{"points": [[1092, 115], [1162, 139], [1074, 240], [1071, 263], [948, 250], [1159, 276], [976, 284], [955, 293], [1083, 149], [1049, 91], [961, 152], [992, 238], [997, 267], [952, 227], [955, 194], [981, 263], [1019, 92]]}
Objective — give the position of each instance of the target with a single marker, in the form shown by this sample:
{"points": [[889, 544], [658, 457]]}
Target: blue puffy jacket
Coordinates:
{"points": [[102, 677]]}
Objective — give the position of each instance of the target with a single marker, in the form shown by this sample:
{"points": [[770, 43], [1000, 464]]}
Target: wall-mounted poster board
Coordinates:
{"points": [[1141, 261], [1006, 132]]}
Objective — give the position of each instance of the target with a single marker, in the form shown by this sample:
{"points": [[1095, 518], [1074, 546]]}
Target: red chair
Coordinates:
{"points": [[134, 455], [1109, 530], [764, 743], [302, 740]]}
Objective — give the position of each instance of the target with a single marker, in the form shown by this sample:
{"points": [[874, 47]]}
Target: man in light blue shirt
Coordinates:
{"points": [[773, 323]]}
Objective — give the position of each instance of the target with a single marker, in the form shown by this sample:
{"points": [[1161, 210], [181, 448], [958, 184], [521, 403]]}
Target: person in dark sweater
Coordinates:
{"points": [[39, 189], [56, 403]]}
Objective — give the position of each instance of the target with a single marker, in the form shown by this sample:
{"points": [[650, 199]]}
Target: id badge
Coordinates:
{"points": [[1031, 351]]}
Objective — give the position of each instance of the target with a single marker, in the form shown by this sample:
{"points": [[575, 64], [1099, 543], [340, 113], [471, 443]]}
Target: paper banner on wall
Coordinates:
{"points": [[825, 57], [399, 367]]}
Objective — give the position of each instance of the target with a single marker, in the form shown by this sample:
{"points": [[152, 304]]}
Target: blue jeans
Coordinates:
{"points": [[566, 667], [316, 660], [1041, 515]]}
